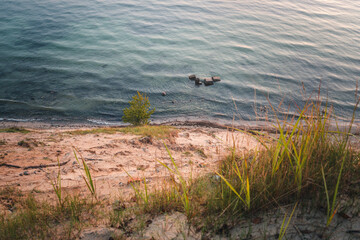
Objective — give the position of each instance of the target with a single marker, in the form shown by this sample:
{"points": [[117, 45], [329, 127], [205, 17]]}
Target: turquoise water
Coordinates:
{"points": [[81, 61]]}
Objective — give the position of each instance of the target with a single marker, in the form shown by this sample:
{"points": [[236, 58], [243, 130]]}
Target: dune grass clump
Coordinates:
{"points": [[34, 219], [307, 160]]}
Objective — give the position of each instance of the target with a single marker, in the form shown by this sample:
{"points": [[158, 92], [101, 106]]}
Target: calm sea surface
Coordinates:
{"points": [[81, 61]]}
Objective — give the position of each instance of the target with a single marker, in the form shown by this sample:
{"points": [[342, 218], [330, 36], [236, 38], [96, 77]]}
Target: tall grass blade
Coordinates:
{"points": [[137, 191], [284, 227], [87, 178], [57, 185], [184, 189]]}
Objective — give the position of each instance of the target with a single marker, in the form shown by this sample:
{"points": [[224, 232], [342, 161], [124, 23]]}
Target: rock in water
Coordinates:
{"points": [[197, 81], [163, 94], [192, 77], [208, 81], [216, 79]]}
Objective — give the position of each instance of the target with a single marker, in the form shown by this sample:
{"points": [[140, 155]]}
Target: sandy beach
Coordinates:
{"points": [[28, 161]]}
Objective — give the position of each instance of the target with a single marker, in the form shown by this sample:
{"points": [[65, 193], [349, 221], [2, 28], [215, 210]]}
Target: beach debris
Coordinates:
{"points": [[163, 94], [9, 165], [208, 81], [133, 180], [47, 165], [146, 140]]}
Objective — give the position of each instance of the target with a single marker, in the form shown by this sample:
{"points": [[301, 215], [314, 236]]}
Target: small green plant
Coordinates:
{"points": [[182, 188], [139, 111], [284, 227], [87, 178], [201, 153], [145, 196], [23, 143], [57, 185]]}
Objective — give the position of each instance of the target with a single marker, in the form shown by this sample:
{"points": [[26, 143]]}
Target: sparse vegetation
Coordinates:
{"points": [[24, 143], [201, 153], [159, 132], [87, 176], [307, 163], [95, 131], [33, 219], [14, 130]]}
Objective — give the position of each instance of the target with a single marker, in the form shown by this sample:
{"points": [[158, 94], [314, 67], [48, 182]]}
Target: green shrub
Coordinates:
{"points": [[139, 111]]}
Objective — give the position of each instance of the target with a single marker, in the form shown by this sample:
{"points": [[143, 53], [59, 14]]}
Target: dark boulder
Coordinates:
{"points": [[197, 81], [192, 77], [216, 79], [208, 81]]}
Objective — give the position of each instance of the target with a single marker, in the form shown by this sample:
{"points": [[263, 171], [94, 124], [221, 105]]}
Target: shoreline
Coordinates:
{"points": [[243, 125], [259, 126]]}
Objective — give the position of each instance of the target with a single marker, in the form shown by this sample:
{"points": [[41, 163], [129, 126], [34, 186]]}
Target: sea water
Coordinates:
{"points": [[82, 61]]}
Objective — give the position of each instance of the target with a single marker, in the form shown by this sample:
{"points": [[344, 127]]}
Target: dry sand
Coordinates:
{"points": [[109, 156]]}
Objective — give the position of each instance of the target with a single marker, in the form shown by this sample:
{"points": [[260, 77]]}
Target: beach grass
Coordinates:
{"points": [[159, 132], [14, 130], [35, 219]]}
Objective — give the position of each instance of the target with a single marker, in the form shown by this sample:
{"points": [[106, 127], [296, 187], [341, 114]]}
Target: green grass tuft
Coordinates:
{"points": [[33, 219], [15, 130]]}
